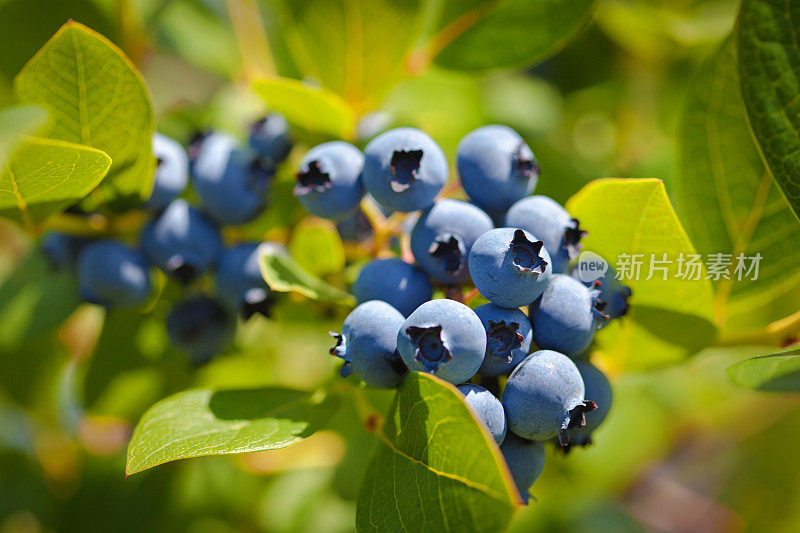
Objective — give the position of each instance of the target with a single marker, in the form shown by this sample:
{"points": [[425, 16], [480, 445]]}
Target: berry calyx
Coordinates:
{"points": [[430, 349], [312, 178], [404, 166], [524, 165], [449, 249], [572, 238], [502, 339], [576, 419], [526, 253]]}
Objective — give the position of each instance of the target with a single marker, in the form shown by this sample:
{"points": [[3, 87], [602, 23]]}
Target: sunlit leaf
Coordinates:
{"points": [[15, 122], [317, 246], [778, 372]]}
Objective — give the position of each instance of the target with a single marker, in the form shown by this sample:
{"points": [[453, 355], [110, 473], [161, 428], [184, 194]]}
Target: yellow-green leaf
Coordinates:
{"points": [[95, 97], [317, 246], [15, 122], [778, 372]]}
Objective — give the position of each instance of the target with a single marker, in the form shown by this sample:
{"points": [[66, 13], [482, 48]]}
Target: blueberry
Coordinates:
{"points": [[525, 460], [544, 397], [368, 344], [508, 338], [394, 281], [496, 167], [613, 294], [61, 250], [566, 316], [404, 169], [240, 286], [200, 327], [232, 182], [509, 267], [443, 236], [172, 171], [599, 390], [445, 338], [181, 241], [270, 138], [329, 180], [487, 408], [550, 222], [113, 275]]}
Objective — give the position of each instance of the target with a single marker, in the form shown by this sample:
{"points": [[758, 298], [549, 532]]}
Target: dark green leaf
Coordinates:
{"points": [[434, 468], [202, 422], [779, 372], [769, 67]]}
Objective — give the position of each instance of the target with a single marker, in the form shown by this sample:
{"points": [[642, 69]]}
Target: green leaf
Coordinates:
{"points": [[779, 372], [434, 468], [481, 34], [44, 176], [355, 49], [727, 199], [312, 108], [15, 122], [95, 97], [668, 319], [317, 246], [769, 68], [202, 422], [283, 274]]}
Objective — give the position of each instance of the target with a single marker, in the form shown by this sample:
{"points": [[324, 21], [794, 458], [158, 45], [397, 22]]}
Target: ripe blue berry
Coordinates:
{"points": [[270, 138], [544, 397], [567, 315], [525, 460], [613, 293], [231, 182], [113, 275], [404, 169], [329, 180], [201, 328], [368, 344], [487, 408], [181, 242], [551, 223], [443, 236], [599, 390], [394, 281], [496, 167], [508, 338], [62, 250], [509, 267], [240, 285], [445, 338], [172, 171]]}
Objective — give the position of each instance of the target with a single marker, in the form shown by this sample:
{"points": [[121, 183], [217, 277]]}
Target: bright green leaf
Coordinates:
{"points": [[769, 68], [668, 318], [15, 122], [283, 274], [311, 108], [481, 34], [95, 97], [202, 422], [434, 468], [779, 372], [43, 176], [317, 246]]}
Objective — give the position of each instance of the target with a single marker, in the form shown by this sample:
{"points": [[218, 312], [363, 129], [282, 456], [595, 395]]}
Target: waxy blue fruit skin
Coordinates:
{"points": [[545, 397], [445, 338], [545, 218], [240, 286], [181, 242], [62, 250], [496, 167], [231, 181], [404, 169], [567, 315], [270, 138], [508, 338], [509, 267], [368, 344], [599, 390], [112, 274], [200, 327], [403, 286], [525, 460], [613, 293], [172, 171], [329, 180], [444, 235], [487, 408]]}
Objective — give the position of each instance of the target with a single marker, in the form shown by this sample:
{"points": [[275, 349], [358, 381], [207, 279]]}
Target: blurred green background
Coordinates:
{"points": [[683, 448]]}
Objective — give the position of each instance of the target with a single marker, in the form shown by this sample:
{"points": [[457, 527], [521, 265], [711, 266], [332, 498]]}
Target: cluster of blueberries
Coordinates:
{"points": [[552, 394], [231, 181]]}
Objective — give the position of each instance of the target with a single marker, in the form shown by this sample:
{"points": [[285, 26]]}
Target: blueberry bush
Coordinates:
{"points": [[418, 265]]}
